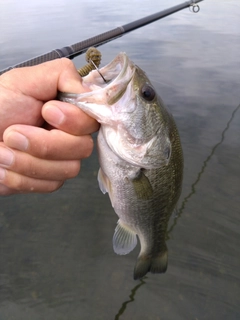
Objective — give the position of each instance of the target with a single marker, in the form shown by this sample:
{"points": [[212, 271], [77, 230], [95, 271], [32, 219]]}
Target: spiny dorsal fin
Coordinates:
{"points": [[124, 239]]}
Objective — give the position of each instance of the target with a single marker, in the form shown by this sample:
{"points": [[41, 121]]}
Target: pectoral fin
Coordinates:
{"points": [[103, 181], [142, 186], [105, 185], [124, 239]]}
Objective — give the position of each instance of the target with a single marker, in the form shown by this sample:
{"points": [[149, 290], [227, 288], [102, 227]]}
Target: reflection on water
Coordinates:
{"points": [[131, 298], [57, 260], [205, 162]]}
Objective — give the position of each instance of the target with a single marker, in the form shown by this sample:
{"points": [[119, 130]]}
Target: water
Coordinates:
{"points": [[56, 253]]}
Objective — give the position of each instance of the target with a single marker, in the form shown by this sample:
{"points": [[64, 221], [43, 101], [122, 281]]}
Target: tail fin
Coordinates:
{"points": [[154, 264]]}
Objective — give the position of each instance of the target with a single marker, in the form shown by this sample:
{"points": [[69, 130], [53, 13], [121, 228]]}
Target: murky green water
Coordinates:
{"points": [[56, 257]]}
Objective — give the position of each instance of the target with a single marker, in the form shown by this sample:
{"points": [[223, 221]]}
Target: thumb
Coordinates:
{"points": [[43, 81]]}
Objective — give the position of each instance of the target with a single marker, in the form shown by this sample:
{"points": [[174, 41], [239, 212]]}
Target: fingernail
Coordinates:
{"points": [[54, 115], [6, 157], [2, 173], [17, 140]]}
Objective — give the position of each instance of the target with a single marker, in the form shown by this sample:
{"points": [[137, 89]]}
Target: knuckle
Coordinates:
{"points": [[45, 151], [28, 166], [20, 184], [30, 169], [16, 182], [67, 62]]}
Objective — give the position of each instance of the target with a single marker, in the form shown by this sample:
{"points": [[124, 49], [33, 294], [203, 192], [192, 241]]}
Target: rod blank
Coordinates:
{"points": [[81, 47]]}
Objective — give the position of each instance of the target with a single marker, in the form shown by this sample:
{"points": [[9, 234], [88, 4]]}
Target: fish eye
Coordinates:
{"points": [[147, 92]]}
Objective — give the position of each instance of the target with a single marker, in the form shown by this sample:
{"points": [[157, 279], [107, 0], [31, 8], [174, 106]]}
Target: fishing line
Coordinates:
{"points": [[200, 173]]}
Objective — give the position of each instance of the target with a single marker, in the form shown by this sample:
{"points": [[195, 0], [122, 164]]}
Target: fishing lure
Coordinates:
{"points": [[93, 57]]}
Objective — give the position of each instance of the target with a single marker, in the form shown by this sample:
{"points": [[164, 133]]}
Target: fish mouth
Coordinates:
{"points": [[100, 98], [113, 78], [113, 71]]}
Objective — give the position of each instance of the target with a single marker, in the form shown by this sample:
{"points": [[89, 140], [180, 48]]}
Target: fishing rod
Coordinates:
{"points": [[81, 47]]}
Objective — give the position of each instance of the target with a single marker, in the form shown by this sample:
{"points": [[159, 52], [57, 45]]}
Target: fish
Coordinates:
{"points": [[140, 157]]}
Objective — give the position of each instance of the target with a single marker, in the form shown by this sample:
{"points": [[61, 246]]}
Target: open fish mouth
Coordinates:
{"points": [[112, 71], [116, 74]]}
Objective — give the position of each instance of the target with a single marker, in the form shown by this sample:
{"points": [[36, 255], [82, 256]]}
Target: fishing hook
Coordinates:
{"points": [[98, 71]]}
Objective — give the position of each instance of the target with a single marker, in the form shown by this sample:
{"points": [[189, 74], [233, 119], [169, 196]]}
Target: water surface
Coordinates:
{"points": [[57, 260]]}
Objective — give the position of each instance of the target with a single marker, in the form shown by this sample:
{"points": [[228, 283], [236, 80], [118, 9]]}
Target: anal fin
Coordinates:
{"points": [[124, 239]]}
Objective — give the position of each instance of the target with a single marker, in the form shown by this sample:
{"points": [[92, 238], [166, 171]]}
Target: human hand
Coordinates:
{"points": [[32, 157]]}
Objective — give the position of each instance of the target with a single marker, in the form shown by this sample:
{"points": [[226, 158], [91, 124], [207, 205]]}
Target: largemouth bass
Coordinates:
{"points": [[140, 155]]}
